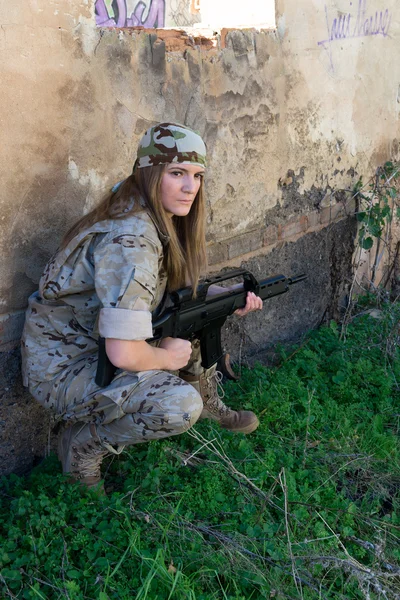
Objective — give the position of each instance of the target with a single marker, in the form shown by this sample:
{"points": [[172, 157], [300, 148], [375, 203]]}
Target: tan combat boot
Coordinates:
{"points": [[81, 453], [207, 384]]}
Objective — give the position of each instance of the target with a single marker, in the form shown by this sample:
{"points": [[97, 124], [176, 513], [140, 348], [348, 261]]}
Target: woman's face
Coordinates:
{"points": [[179, 187]]}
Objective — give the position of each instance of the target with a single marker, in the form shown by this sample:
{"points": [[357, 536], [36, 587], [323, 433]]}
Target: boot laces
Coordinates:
{"points": [[214, 393], [88, 460], [218, 384]]}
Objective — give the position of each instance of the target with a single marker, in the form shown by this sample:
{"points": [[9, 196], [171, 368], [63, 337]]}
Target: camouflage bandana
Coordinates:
{"points": [[170, 143]]}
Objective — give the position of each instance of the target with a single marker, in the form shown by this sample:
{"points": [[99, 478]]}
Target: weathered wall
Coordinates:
{"points": [[289, 116]]}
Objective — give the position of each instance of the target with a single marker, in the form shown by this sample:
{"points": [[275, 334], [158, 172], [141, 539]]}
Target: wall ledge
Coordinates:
{"points": [[234, 250]]}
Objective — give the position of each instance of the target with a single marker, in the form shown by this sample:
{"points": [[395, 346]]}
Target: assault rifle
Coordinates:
{"points": [[204, 316]]}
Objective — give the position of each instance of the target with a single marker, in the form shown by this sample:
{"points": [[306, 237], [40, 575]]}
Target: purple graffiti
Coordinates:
{"points": [[155, 16], [350, 26]]}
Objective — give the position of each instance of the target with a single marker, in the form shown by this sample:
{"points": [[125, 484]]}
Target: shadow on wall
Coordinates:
{"points": [[41, 219], [45, 213], [325, 257], [24, 424]]}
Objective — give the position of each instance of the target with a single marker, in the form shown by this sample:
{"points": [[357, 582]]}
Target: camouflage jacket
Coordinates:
{"points": [[107, 280]]}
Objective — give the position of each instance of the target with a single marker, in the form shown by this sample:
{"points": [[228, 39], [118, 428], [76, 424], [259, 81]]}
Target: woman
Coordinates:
{"points": [[108, 278]]}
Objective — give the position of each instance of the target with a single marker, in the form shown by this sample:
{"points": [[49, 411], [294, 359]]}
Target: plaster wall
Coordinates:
{"points": [[290, 116]]}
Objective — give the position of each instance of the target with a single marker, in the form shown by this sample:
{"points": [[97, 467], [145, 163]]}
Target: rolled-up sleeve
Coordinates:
{"points": [[126, 275]]}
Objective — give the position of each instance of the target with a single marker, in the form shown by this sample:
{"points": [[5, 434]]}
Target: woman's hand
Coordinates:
{"points": [[253, 302], [179, 352]]}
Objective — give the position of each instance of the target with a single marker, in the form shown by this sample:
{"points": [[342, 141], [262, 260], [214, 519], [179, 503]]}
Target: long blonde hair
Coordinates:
{"points": [[183, 238]]}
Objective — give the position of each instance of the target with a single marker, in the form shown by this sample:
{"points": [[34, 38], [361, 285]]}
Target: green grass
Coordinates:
{"points": [[305, 507]]}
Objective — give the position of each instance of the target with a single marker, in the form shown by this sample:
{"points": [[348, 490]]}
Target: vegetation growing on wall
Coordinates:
{"points": [[378, 208], [306, 507]]}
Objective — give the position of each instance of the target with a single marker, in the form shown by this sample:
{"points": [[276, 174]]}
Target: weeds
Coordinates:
{"points": [[376, 257], [305, 507]]}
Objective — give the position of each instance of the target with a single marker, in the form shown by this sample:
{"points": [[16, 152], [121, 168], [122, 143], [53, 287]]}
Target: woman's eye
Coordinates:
{"points": [[176, 173], [199, 175]]}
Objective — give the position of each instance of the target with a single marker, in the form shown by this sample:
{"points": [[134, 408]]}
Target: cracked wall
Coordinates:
{"points": [[291, 117]]}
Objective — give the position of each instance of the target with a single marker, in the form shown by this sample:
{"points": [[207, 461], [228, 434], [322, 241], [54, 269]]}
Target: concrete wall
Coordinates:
{"points": [[290, 116]]}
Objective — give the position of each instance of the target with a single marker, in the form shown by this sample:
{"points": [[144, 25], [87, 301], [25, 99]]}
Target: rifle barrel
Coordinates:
{"points": [[297, 278]]}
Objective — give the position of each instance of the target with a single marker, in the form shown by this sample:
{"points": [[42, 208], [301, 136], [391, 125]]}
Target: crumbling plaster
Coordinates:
{"points": [[286, 120]]}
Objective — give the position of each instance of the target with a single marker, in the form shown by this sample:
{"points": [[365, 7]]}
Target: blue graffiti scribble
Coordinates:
{"points": [[350, 26]]}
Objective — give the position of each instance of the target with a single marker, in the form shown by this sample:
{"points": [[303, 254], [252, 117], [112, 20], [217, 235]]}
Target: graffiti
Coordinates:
{"points": [[184, 13], [114, 13], [349, 26]]}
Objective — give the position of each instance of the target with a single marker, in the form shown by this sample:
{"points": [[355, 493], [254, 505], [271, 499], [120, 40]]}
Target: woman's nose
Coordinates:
{"points": [[189, 184]]}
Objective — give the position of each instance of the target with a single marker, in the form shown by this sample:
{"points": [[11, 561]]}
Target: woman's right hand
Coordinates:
{"points": [[179, 352]]}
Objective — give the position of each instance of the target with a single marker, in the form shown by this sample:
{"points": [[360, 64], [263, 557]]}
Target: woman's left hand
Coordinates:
{"points": [[253, 302]]}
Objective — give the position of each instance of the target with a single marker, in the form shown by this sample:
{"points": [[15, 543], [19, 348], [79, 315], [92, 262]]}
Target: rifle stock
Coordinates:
{"points": [[203, 317]]}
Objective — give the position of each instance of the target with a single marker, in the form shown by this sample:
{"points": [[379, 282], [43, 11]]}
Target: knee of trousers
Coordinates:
{"points": [[171, 413], [164, 400], [181, 407], [191, 407]]}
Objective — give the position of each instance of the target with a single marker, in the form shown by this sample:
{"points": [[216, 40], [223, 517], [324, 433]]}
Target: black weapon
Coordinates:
{"points": [[203, 317]]}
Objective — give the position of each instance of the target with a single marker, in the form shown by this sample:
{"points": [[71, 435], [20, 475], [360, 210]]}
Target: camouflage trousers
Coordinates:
{"points": [[135, 407]]}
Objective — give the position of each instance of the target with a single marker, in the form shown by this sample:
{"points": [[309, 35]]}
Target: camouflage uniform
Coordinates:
{"points": [[107, 281]]}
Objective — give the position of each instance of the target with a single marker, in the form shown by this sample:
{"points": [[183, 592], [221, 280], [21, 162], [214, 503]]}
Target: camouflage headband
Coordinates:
{"points": [[170, 143]]}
